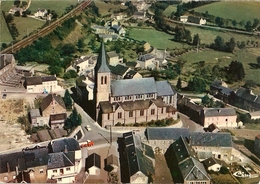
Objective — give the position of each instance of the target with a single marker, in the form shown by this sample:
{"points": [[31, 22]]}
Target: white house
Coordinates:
{"points": [[41, 13], [146, 61], [211, 164], [184, 19]]}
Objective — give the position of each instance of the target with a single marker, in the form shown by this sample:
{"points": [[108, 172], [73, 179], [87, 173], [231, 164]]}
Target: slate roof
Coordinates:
{"points": [[102, 64], [36, 80], [133, 86], [11, 160], [118, 69], [130, 74], [164, 88], [210, 139], [61, 159], [210, 162], [182, 149], [137, 161], [36, 156], [245, 94], [191, 169], [59, 145], [48, 99], [145, 57], [157, 133], [213, 112], [218, 83], [93, 160], [49, 78]]}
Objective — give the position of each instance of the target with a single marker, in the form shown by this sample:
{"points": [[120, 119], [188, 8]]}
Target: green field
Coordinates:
{"points": [[107, 8], [5, 35], [26, 25], [171, 8], [155, 38], [59, 6], [235, 10]]}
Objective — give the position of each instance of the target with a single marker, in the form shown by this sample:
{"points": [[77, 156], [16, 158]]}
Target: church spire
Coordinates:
{"points": [[102, 64]]}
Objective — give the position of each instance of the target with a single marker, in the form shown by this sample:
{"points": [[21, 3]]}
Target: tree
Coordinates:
{"points": [[231, 45], [197, 84], [258, 61], [9, 18], [234, 23], [179, 11], [68, 49], [235, 71], [67, 100], [196, 40], [73, 120], [249, 26], [70, 74], [256, 22], [206, 101], [155, 74], [219, 21], [178, 85]]}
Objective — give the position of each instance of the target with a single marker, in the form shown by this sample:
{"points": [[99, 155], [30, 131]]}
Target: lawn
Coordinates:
{"points": [[223, 178], [107, 8], [155, 38], [26, 25], [235, 10], [171, 8], [5, 35], [58, 6], [208, 36]]}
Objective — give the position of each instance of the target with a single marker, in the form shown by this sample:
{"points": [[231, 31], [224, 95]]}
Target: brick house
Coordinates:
{"points": [[52, 104]]}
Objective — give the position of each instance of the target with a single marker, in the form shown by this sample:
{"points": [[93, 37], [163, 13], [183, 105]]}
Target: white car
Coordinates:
{"points": [[88, 128]]}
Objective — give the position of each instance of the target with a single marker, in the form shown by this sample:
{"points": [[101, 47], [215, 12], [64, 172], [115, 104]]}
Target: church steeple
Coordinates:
{"points": [[102, 78], [102, 64]]}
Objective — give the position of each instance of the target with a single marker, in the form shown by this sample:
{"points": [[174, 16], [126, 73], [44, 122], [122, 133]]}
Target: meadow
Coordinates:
{"points": [[26, 25], [107, 8], [5, 35], [168, 11], [235, 10], [155, 38], [57, 5]]}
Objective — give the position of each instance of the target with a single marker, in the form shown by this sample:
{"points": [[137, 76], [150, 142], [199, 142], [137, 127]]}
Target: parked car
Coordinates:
{"points": [[88, 128], [87, 144], [4, 96]]}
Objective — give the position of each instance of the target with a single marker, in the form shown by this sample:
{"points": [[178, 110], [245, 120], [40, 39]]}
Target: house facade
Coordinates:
{"points": [[221, 117], [124, 101], [38, 84], [146, 61], [93, 164]]}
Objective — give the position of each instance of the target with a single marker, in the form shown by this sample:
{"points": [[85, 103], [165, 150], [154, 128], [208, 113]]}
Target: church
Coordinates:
{"points": [[129, 101]]}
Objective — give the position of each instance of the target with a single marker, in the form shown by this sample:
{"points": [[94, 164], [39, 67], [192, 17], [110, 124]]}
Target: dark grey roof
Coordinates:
{"points": [[61, 159], [246, 94], [36, 156], [112, 54], [225, 90], [93, 160], [33, 80], [111, 160], [130, 74], [10, 161], [204, 155], [49, 78], [133, 86], [156, 133], [191, 169], [118, 69], [145, 57], [209, 162], [210, 139], [164, 88], [54, 117], [59, 145], [213, 112], [102, 64]]}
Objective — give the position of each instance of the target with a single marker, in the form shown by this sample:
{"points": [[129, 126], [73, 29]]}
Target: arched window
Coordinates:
{"points": [[102, 80], [105, 79]]}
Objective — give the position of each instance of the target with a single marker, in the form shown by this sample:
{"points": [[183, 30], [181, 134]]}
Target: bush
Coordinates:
{"points": [[223, 170]]}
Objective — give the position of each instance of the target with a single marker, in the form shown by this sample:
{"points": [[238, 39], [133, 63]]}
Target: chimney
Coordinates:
{"points": [[114, 107], [66, 149], [219, 110], [8, 167]]}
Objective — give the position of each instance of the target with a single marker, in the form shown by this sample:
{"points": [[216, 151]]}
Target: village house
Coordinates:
{"points": [[42, 84], [125, 102], [184, 164], [93, 164], [146, 61], [221, 117], [184, 19], [131, 74], [64, 160], [52, 104], [119, 30], [212, 164], [136, 159], [41, 13], [84, 63], [113, 58], [57, 120], [141, 15], [220, 90]]}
